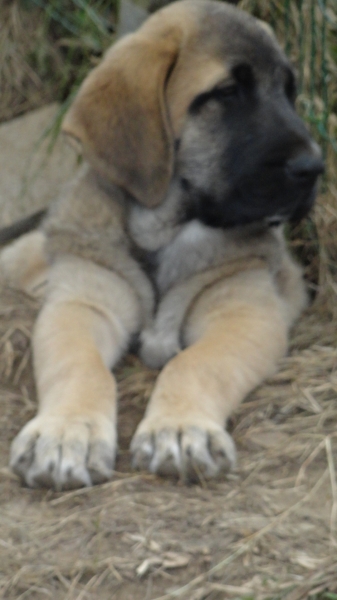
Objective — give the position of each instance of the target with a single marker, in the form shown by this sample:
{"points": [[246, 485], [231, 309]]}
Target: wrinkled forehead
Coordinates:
{"points": [[222, 38]]}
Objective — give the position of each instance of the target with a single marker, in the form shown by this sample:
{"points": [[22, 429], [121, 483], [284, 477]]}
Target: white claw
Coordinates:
{"points": [[184, 451], [65, 453]]}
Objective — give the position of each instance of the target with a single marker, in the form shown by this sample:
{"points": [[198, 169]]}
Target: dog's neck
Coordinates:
{"points": [[152, 229], [179, 249]]}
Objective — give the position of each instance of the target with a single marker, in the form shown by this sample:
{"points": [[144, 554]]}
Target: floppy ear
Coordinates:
{"points": [[120, 116]]}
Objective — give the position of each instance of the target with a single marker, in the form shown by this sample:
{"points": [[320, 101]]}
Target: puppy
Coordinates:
{"points": [[172, 231]]}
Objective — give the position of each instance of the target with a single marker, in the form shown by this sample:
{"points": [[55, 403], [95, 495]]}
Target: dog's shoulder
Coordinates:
{"points": [[87, 219], [88, 202]]}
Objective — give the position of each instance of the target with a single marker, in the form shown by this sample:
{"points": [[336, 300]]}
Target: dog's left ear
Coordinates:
{"points": [[120, 115]]}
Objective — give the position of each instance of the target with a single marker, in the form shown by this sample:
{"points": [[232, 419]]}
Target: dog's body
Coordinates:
{"points": [[195, 153]]}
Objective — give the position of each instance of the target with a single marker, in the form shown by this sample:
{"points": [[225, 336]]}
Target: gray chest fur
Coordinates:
{"points": [[186, 258], [177, 250], [195, 248]]}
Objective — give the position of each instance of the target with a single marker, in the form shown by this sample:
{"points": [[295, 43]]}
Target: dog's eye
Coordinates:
{"points": [[218, 94], [222, 93], [243, 74]]}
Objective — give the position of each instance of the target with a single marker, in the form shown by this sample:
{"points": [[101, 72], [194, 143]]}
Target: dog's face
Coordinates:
{"points": [[244, 154], [204, 94]]}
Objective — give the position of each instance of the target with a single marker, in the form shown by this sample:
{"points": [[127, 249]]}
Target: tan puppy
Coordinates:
{"points": [[171, 232]]}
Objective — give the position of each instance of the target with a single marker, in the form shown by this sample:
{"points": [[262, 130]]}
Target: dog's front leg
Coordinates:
{"points": [[80, 333], [237, 331]]}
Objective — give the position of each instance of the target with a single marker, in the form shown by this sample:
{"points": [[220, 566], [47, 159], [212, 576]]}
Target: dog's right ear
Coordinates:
{"points": [[120, 115]]}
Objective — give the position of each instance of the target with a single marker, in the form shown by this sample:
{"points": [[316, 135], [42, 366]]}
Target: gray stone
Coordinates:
{"points": [[30, 176], [130, 17]]}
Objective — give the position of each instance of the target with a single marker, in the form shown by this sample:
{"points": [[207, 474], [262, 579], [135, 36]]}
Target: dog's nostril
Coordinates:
{"points": [[305, 167]]}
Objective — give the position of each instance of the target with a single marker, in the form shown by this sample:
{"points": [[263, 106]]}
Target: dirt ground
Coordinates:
{"points": [[269, 530]]}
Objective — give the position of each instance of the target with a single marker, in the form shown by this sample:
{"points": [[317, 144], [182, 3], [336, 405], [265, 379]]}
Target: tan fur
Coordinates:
{"points": [[233, 309], [141, 62], [24, 263]]}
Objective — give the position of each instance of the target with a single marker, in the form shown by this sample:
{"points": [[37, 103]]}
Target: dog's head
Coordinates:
{"points": [[202, 93]]}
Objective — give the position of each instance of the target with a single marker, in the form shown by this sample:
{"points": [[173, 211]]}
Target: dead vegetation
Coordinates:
{"points": [[21, 87], [47, 47], [268, 531]]}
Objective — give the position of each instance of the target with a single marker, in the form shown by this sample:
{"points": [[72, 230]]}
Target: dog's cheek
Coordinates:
{"points": [[202, 160]]}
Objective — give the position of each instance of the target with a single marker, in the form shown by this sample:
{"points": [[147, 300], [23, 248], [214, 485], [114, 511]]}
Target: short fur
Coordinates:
{"points": [[171, 232]]}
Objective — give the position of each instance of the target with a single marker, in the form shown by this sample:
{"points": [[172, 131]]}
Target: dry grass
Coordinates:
{"points": [[267, 531], [47, 47], [21, 87]]}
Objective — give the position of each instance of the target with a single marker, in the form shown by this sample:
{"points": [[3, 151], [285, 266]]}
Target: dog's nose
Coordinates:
{"points": [[304, 167]]}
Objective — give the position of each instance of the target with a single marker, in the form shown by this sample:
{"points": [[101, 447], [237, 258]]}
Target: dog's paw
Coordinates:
{"points": [[192, 453], [65, 452]]}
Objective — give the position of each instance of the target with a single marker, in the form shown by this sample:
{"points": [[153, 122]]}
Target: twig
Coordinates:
{"points": [[111, 485], [332, 473]]}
